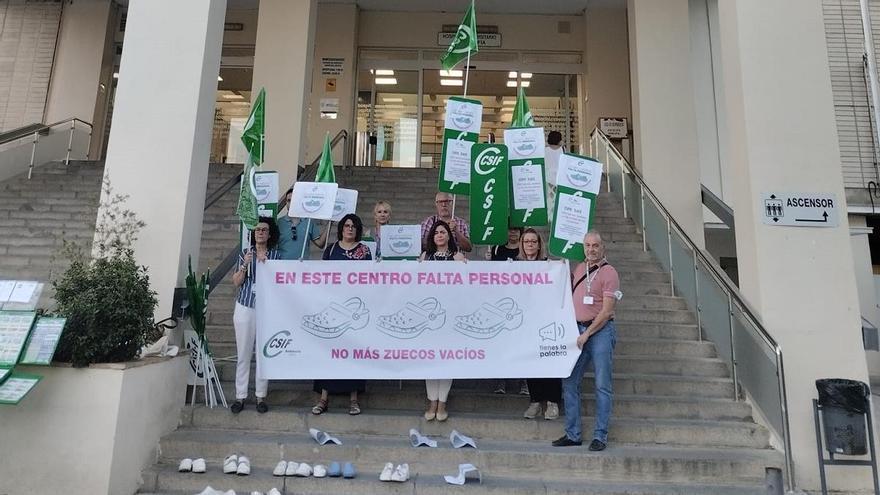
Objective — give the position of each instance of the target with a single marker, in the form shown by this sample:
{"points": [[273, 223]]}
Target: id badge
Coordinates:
{"points": [[588, 299]]}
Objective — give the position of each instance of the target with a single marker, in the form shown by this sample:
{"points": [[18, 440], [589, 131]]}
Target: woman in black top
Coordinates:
{"points": [[509, 251], [549, 390]]}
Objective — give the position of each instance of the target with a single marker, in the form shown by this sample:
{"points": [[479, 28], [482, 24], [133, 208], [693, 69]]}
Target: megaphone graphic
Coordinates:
{"points": [[553, 332]]}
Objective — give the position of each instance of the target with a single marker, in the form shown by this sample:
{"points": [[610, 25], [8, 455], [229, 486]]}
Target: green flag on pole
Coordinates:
{"points": [[253, 137], [254, 133], [247, 198], [522, 116], [465, 41], [325, 167]]}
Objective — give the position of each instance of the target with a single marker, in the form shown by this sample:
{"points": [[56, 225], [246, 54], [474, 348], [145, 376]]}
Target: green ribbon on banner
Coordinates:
{"points": [[461, 130], [528, 185], [490, 176], [577, 189]]}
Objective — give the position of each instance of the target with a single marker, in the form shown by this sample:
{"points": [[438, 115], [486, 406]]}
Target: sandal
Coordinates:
{"points": [[354, 408], [320, 408]]}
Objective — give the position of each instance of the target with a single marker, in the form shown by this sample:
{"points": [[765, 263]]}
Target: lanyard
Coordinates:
{"points": [[594, 272]]}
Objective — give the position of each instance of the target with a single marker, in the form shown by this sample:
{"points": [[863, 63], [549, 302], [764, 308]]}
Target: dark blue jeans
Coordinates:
{"points": [[599, 350]]}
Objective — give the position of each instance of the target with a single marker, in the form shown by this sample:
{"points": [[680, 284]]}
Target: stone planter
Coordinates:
{"points": [[90, 430]]}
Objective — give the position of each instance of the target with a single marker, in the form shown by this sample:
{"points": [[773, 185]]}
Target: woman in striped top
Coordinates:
{"points": [[264, 242]]}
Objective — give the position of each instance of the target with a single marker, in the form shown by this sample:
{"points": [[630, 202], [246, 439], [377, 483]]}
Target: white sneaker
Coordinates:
{"points": [[291, 468], [552, 411], [401, 474], [199, 466], [244, 466], [230, 464], [256, 493], [387, 471], [185, 466], [273, 491], [280, 468], [319, 471], [304, 470], [533, 410], [208, 491]]}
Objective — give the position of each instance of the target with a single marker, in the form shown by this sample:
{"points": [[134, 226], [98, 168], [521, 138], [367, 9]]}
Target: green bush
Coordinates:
{"points": [[109, 308], [106, 298]]}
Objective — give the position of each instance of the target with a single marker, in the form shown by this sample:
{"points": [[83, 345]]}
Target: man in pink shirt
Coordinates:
{"points": [[596, 291]]}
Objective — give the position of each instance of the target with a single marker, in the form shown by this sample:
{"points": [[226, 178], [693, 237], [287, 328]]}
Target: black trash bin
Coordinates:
{"points": [[844, 405]]}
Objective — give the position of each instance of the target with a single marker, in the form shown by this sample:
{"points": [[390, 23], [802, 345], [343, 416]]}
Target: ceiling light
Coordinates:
{"points": [[451, 73], [386, 80], [524, 84], [392, 100], [384, 72], [526, 75], [451, 82], [511, 84], [220, 78], [512, 74], [233, 96]]}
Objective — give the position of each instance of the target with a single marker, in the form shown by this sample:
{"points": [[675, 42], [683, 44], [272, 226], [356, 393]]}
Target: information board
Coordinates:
{"points": [[15, 326], [44, 339], [17, 386]]}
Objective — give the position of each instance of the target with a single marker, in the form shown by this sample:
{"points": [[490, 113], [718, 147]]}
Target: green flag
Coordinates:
{"points": [[465, 41], [255, 128], [522, 116], [247, 197], [325, 167]]}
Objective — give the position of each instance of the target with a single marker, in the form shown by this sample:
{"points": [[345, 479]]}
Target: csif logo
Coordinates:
{"points": [[488, 160], [276, 344]]}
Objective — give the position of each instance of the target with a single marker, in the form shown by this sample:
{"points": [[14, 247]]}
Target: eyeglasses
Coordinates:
{"points": [[444, 201], [261, 229]]}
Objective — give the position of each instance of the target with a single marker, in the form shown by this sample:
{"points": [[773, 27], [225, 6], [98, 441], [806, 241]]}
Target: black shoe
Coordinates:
{"points": [[261, 406], [564, 441], [597, 445], [237, 406]]}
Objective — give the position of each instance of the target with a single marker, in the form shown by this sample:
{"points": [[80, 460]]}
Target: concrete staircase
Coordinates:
{"points": [[675, 427]]}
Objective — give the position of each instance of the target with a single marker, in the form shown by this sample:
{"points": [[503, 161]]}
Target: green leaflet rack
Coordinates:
{"points": [[15, 327], [43, 341], [17, 386]]}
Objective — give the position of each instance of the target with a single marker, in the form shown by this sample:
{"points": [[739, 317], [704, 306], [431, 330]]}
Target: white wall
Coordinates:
{"points": [[606, 89], [74, 87], [28, 31], [89, 430]]}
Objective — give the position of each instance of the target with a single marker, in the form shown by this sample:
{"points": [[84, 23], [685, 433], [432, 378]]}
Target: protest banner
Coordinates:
{"points": [[577, 186], [489, 194], [528, 205], [461, 130], [406, 320]]}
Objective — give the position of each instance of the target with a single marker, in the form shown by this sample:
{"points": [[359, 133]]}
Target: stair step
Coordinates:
{"points": [[632, 463]]}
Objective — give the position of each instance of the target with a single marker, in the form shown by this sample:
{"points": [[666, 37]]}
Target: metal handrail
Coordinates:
{"points": [[37, 130], [721, 278], [228, 262], [718, 207]]}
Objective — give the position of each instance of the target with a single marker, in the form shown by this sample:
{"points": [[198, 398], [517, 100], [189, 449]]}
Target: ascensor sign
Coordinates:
{"points": [[405, 320]]}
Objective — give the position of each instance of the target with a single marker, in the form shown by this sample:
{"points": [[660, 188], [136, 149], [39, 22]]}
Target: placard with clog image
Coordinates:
{"points": [[461, 130], [578, 181], [265, 189], [401, 242], [346, 202], [41, 345], [15, 327], [313, 200], [13, 390], [489, 202], [528, 205]]}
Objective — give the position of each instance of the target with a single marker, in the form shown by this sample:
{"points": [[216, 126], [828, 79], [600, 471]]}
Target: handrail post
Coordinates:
{"points": [[669, 252], [644, 223], [698, 309], [33, 153], [607, 165], [733, 363], [623, 188], [69, 143], [786, 427]]}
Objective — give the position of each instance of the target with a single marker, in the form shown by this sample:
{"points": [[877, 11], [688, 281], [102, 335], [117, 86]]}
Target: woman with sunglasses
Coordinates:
{"points": [[541, 390], [263, 247], [348, 247]]}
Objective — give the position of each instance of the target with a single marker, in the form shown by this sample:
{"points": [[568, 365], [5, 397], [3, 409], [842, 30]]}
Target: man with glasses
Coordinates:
{"points": [[460, 229], [295, 231]]}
